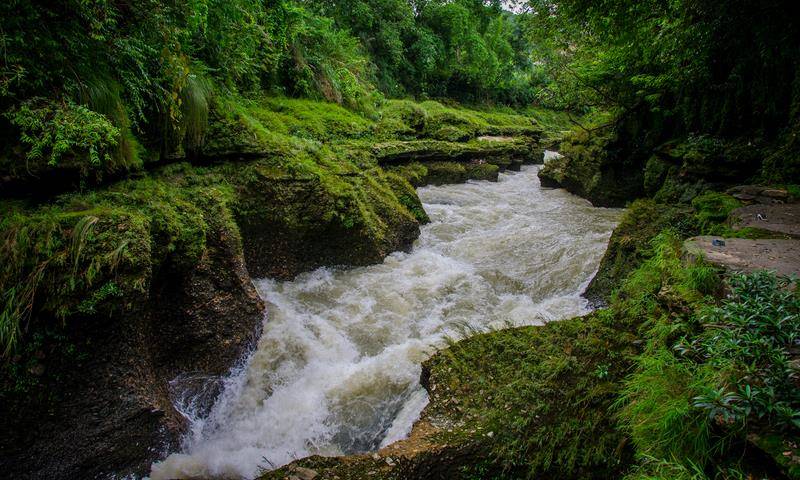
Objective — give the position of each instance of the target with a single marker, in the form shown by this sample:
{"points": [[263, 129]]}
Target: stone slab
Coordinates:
{"points": [[783, 219], [743, 255]]}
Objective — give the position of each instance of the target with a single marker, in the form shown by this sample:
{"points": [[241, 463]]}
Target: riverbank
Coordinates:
{"points": [[651, 385], [113, 292], [337, 369]]}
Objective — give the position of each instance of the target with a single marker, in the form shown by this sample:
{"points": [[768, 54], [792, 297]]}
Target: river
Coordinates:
{"points": [[337, 368]]}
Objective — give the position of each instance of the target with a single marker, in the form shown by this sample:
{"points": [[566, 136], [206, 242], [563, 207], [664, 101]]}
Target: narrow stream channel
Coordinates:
{"points": [[337, 368]]}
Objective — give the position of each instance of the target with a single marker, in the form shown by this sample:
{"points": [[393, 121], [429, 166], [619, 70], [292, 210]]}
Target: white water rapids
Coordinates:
{"points": [[337, 367]]}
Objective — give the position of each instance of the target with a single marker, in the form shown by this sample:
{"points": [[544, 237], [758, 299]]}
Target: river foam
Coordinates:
{"points": [[337, 368]]}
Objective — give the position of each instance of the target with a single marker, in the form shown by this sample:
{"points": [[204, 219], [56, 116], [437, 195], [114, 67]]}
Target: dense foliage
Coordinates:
{"points": [[102, 88], [722, 67], [466, 49]]}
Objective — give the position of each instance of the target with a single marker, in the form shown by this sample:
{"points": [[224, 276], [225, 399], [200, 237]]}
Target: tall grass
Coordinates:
{"points": [[195, 104], [102, 94]]}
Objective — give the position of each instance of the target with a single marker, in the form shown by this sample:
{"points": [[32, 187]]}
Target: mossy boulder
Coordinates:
{"points": [[395, 152], [443, 173], [590, 168], [478, 170], [295, 220]]}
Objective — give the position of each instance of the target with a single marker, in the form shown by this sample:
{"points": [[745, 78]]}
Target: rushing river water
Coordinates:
{"points": [[337, 367]]}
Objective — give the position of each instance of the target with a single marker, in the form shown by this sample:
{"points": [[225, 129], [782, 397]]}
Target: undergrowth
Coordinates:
{"points": [[668, 382]]}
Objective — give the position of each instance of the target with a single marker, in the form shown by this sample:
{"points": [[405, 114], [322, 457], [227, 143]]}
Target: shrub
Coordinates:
{"points": [[56, 130], [752, 340]]}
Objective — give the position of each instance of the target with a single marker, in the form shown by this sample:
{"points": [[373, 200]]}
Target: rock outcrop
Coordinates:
{"points": [[96, 399], [744, 255]]}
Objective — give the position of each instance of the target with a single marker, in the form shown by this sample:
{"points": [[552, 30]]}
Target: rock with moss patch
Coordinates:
{"points": [[151, 287], [630, 244], [588, 167]]}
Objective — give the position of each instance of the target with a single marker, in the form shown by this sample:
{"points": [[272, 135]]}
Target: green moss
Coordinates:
{"points": [[414, 172], [309, 119], [630, 244], [589, 168], [675, 406], [401, 118], [442, 173], [393, 152], [86, 252], [465, 123], [713, 208], [538, 397], [407, 196], [450, 133], [482, 171], [449, 123]]}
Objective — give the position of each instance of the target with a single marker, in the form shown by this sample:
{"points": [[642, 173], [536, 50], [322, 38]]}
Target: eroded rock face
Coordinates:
{"points": [[291, 223], [104, 406]]}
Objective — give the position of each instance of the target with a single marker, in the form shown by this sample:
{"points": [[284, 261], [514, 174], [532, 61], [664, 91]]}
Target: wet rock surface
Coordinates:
{"points": [[780, 219], [744, 255], [108, 409]]}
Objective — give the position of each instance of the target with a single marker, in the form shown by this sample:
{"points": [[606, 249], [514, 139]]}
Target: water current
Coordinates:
{"points": [[337, 368]]}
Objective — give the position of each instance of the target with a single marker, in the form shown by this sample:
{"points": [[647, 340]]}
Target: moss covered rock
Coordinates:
{"points": [[630, 243], [443, 173], [295, 222], [395, 152], [532, 402], [112, 296], [589, 168], [479, 170]]}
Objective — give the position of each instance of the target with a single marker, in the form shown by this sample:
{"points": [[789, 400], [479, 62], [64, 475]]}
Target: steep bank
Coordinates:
{"points": [[122, 300]]}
